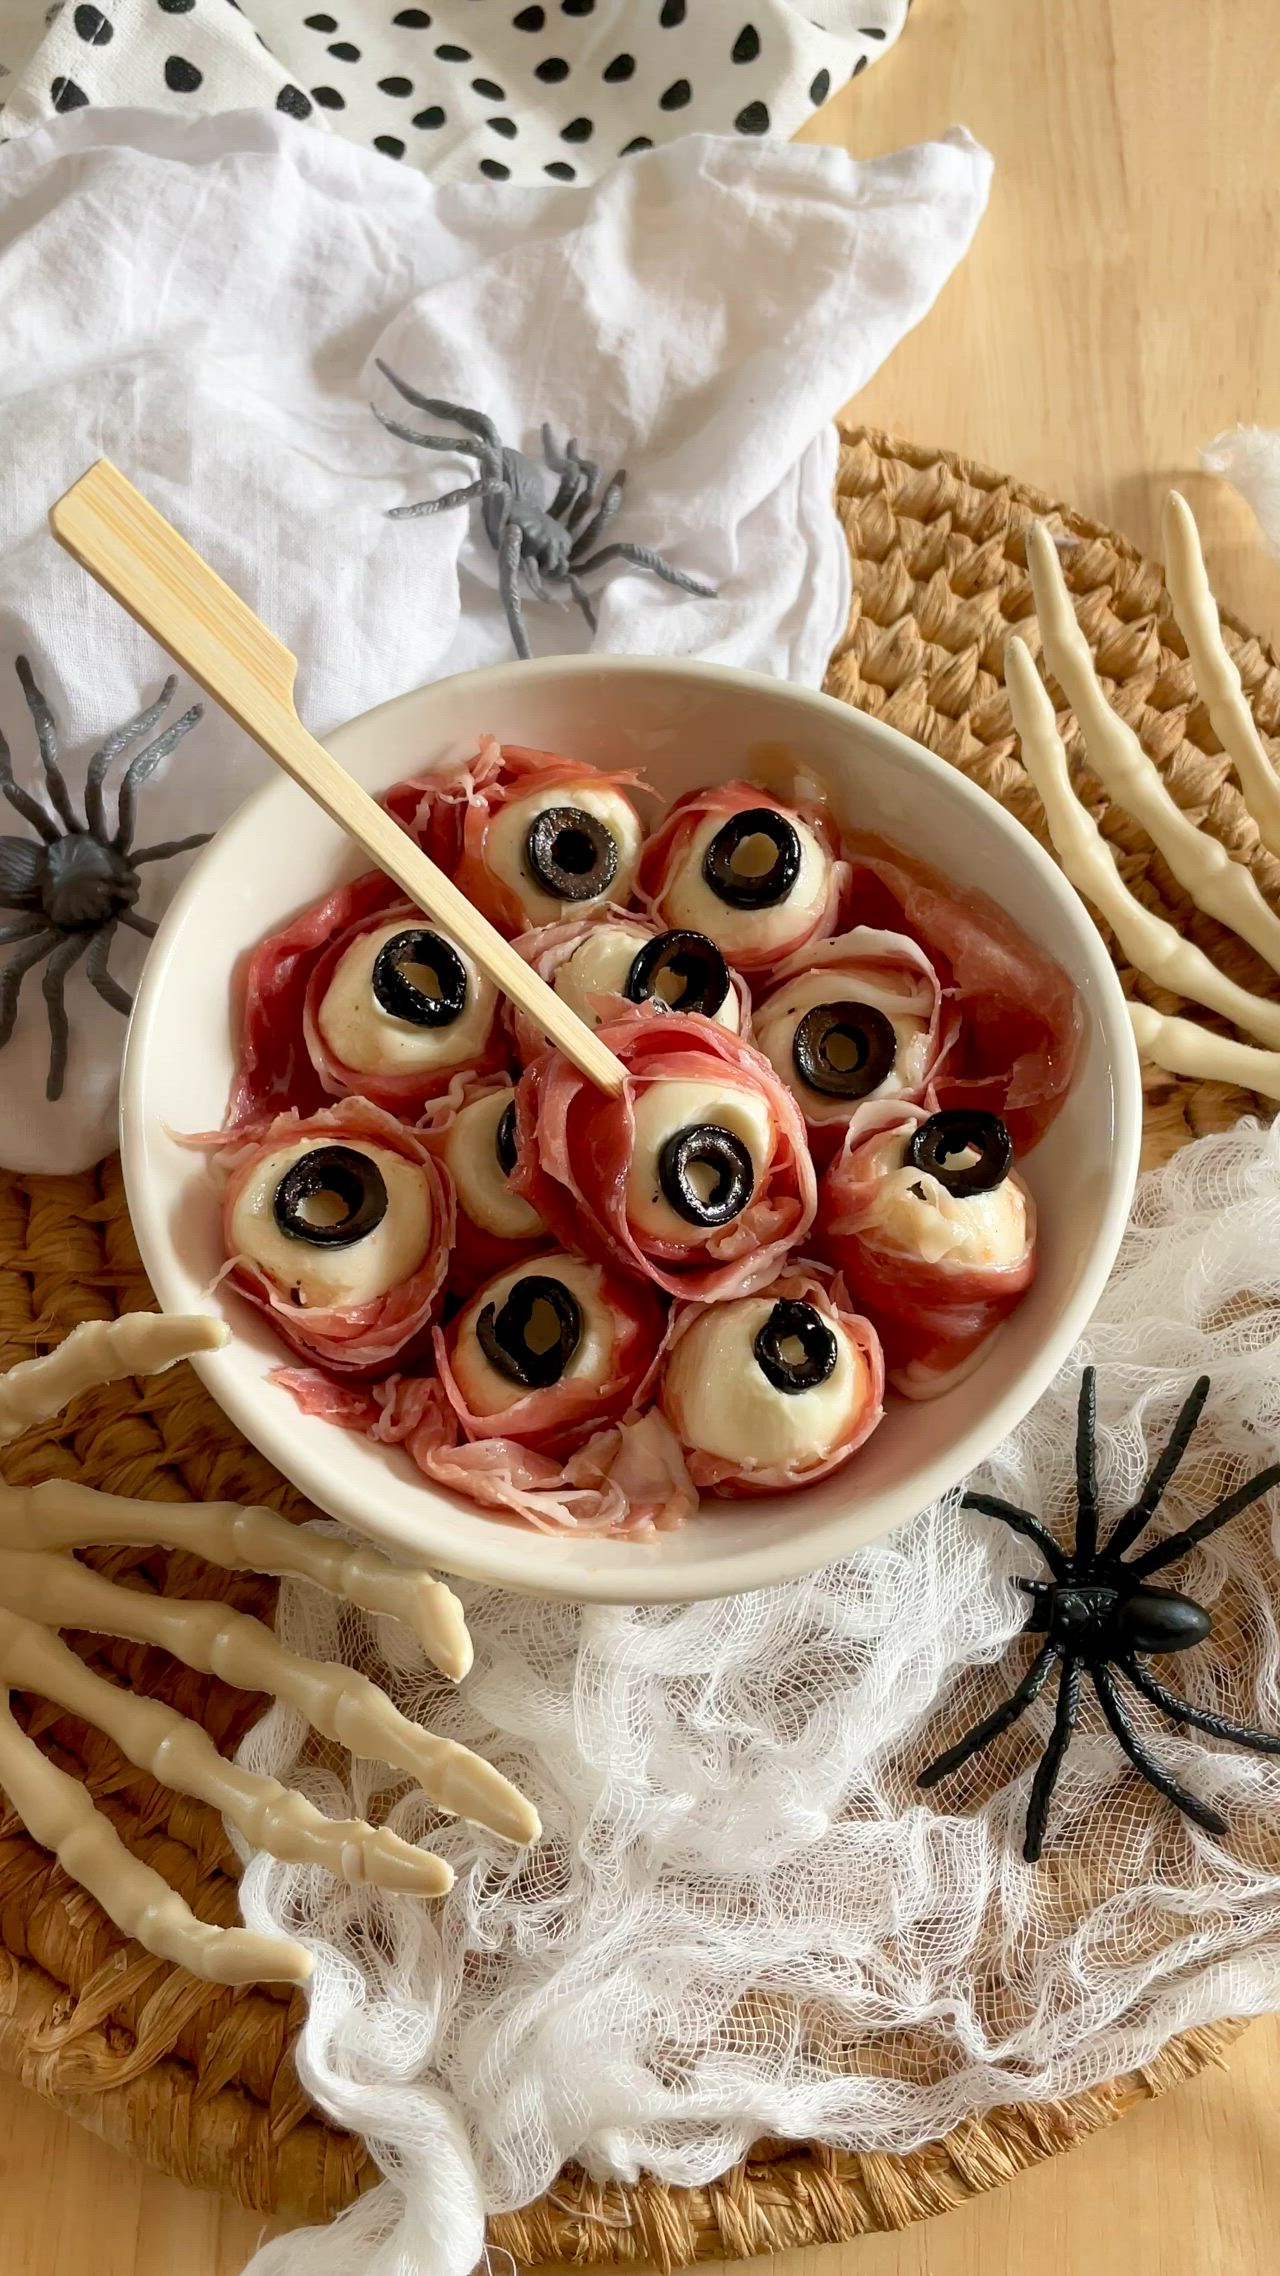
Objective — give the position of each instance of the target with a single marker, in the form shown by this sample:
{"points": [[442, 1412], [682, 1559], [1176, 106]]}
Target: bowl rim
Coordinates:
{"points": [[783, 1559]]}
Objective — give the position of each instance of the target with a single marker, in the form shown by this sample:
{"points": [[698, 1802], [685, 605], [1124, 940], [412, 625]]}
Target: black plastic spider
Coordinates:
{"points": [[79, 879], [546, 544], [1098, 1612]]}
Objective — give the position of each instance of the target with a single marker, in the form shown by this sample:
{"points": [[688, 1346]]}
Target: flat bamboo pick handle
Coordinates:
{"points": [[143, 563]]}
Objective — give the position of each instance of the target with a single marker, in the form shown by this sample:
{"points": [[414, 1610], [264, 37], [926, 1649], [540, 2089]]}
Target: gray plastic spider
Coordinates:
{"points": [[79, 879], [545, 543]]}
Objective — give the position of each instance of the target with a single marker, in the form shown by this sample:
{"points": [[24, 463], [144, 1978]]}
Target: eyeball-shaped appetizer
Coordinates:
{"points": [[600, 964], [770, 1392], [339, 1229], [854, 1018], [549, 1351], [275, 1072], [547, 839], [697, 1175], [761, 878], [474, 1137], [934, 1233], [393, 1010]]}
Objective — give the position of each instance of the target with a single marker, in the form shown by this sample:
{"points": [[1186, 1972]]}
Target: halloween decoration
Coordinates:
{"points": [[78, 879], [1098, 1612], [43, 1588], [543, 545]]}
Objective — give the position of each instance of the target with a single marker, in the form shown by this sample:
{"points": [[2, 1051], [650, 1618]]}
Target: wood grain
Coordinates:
{"points": [[1117, 310]]}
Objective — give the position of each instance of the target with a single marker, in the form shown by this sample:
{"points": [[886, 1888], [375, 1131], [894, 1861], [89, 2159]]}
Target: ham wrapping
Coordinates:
{"points": [[668, 849], [560, 1415], [498, 778], [406, 1093]]}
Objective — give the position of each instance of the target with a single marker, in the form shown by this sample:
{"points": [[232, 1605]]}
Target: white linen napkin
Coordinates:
{"points": [[203, 301]]}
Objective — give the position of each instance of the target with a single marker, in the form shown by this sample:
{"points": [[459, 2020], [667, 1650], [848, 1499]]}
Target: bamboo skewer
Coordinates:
{"points": [[140, 559]]}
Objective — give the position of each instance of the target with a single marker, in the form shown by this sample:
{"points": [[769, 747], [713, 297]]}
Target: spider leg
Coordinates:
{"points": [[509, 587], [424, 506], [457, 443], [536, 583], [47, 742], [1131, 1524], [98, 976], [1021, 1521], [475, 422], [1031, 1686], [147, 926], [1201, 1718], [171, 847], [583, 599], [23, 928], [22, 801], [14, 973], [589, 531], [1143, 1761], [109, 751], [1165, 1552], [141, 768], [1086, 1547], [67, 953], [641, 557], [1046, 1777]]}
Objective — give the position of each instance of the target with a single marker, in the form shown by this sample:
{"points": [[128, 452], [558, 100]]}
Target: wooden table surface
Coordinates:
{"points": [[1117, 310]]}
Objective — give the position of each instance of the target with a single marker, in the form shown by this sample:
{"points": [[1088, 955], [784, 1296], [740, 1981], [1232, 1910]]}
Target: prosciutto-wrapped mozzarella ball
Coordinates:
{"points": [[544, 838], [698, 1175], [339, 1229], [934, 1234], [393, 1010], [770, 1392], [475, 1139], [854, 1018], [549, 1351], [761, 878], [599, 964]]}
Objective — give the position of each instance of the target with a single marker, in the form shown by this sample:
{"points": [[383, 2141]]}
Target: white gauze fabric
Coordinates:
{"points": [[744, 1918]]}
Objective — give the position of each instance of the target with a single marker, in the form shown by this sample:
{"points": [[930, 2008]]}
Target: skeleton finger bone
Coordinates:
{"points": [[98, 1352], [1183, 1048], [1215, 675]]}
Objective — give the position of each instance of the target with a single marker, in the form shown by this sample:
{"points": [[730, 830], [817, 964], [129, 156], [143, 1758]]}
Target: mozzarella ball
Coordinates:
{"points": [[489, 1389], [759, 931], [913, 1209], [473, 1156], [509, 858], [317, 1271], [394, 1014], [718, 1397], [599, 967], [854, 1047], [665, 1108]]}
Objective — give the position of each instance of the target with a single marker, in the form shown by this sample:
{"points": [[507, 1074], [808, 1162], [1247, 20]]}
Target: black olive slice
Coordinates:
{"points": [[401, 995], [570, 853], [332, 1197], [938, 1143], [504, 1140], [691, 961], [729, 1175], [844, 1050], [743, 885], [534, 1335], [795, 1348]]}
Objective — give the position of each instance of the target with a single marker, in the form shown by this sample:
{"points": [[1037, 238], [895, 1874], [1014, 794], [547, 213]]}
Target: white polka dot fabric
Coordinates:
{"points": [[466, 90]]}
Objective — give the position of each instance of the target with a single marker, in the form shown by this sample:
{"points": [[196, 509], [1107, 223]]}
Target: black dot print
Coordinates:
{"points": [[622, 67], [396, 85], [433, 115], [860, 65], [820, 88], [577, 7], [530, 19], [505, 127], [638, 142], [490, 89], [413, 19], [66, 96], [495, 170], [182, 77], [313, 23], [552, 71], [292, 100], [93, 27], [746, 47], [177, 7], [871, 31], [754, 119], [345, 51], [674, 97], [560, 172], [578, 130], [328, 98], [389, 144], [451, 54], [673, 13]]}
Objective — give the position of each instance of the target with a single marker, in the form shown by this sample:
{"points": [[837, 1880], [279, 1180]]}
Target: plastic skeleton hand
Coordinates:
{"points": [[1223, 888], [44, 1588]]}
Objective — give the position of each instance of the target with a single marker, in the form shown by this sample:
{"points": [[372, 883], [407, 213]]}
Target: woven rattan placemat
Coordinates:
{"points": [[198, 2080]]}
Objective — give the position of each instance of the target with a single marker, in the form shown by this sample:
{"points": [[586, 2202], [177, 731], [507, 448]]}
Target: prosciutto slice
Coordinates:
{"points": [[275, 1071], [1022, 1023], [358, 1340], [801, 1283], [576, 1147], [670, 849], [933, 1314]]}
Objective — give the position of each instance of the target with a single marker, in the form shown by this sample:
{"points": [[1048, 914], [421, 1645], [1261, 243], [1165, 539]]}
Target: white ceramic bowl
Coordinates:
{"points": [[681, 724]]}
